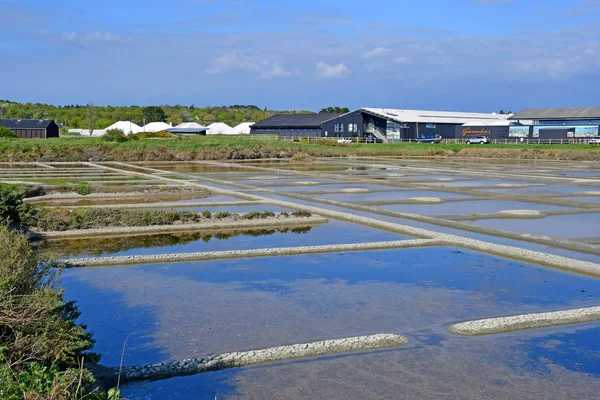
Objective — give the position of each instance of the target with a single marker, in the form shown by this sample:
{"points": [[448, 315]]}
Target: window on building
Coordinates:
{"points": [[430, 126], [352, 127]]}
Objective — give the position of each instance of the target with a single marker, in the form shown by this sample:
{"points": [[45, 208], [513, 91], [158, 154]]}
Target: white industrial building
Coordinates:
{"points": [[127, 127], [220, 128], [188, 128], [244, 128], [153, 127]]}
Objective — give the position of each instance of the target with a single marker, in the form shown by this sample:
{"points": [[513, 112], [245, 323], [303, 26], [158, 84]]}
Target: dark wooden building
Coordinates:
{"points": [[32, 128], [293, 125]]}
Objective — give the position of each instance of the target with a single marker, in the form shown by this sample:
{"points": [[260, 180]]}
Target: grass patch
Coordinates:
{"points": [[61, 219], [237, 148]]}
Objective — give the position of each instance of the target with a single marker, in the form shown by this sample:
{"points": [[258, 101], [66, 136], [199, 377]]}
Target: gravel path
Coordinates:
{"points": [[199, 365], [234, 254], [492, 326]]}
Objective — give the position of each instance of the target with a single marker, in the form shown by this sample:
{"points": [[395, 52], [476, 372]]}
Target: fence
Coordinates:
{"points": [[363, 140]]}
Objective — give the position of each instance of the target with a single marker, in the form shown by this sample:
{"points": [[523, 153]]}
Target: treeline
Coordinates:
{"points": [[78, 116]]}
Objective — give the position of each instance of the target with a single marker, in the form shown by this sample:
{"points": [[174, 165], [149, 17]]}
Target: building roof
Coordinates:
{"points": [[190, 125], [559, 113], [435, 117], [156, 127], [244, 127], [220, 128], [26, 123], [295, 121], [500, 122], [127, 127]]}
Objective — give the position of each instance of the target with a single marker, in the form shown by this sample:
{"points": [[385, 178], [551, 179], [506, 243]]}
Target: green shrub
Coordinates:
{"points": [[33, 191], [62, 219], [11, 197], [41, 344], [151, 135], [206, 214], [6, 133], [114, 135], [83, 188], [268, 214], [253, 215], [12, 208], [301, 213], [223, 214]]}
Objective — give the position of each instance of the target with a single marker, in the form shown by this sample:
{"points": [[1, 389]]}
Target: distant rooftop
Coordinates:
{"points": [[26, 123], [559, 113], [440, 117], [295, 120]]}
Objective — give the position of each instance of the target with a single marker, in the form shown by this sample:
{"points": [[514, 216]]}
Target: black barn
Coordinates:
{"points": [[293, 125], [31, 128]]}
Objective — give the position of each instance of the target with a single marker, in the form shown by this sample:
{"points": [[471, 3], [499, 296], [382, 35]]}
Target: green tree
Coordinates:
{"points": [[334, 110], [153, 114]]}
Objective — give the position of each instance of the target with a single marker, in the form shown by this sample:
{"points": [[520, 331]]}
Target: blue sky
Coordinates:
{"points": [[463, 55]]}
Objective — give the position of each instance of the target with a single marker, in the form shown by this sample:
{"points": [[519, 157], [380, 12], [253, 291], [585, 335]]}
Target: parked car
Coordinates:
{"points": [[344, 140], [595, 140], [373, 139], [478, 140], [429, 138]]}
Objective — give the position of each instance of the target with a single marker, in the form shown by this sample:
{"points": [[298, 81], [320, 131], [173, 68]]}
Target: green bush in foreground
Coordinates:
{"points": [[83, 188], [114, 135], [7, 133], [12, 208], [42, 348]]}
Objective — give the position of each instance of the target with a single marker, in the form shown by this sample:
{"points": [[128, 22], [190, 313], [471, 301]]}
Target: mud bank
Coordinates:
{"points": [[492, 326], [239, 359]]}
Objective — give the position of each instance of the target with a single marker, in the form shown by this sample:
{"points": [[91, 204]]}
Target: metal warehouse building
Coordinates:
{"points": [[557, 123], [388, 124], [31, 128], [293, 125]]}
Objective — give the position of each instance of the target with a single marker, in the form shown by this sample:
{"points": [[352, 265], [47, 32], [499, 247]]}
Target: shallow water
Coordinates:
{"points": [[194, 309], [524, 365], [482, 182], [333, 187], [584, 199], [566, 226], [390, 196], [541, 190], [470, 207]]}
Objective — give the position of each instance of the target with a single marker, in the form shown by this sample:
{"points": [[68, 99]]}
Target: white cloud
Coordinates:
{"points": [[274, 71], [402, 60], [332, 71], [85, 39], [233, 61], [377, 52]]}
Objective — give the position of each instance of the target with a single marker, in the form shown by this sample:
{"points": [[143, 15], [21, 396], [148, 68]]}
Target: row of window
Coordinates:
{"points": [[288, 130], [339, 128], [568, 122]]}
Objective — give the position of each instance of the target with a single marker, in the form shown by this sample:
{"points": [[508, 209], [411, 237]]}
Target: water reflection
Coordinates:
{"points": [[98, 247]]}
